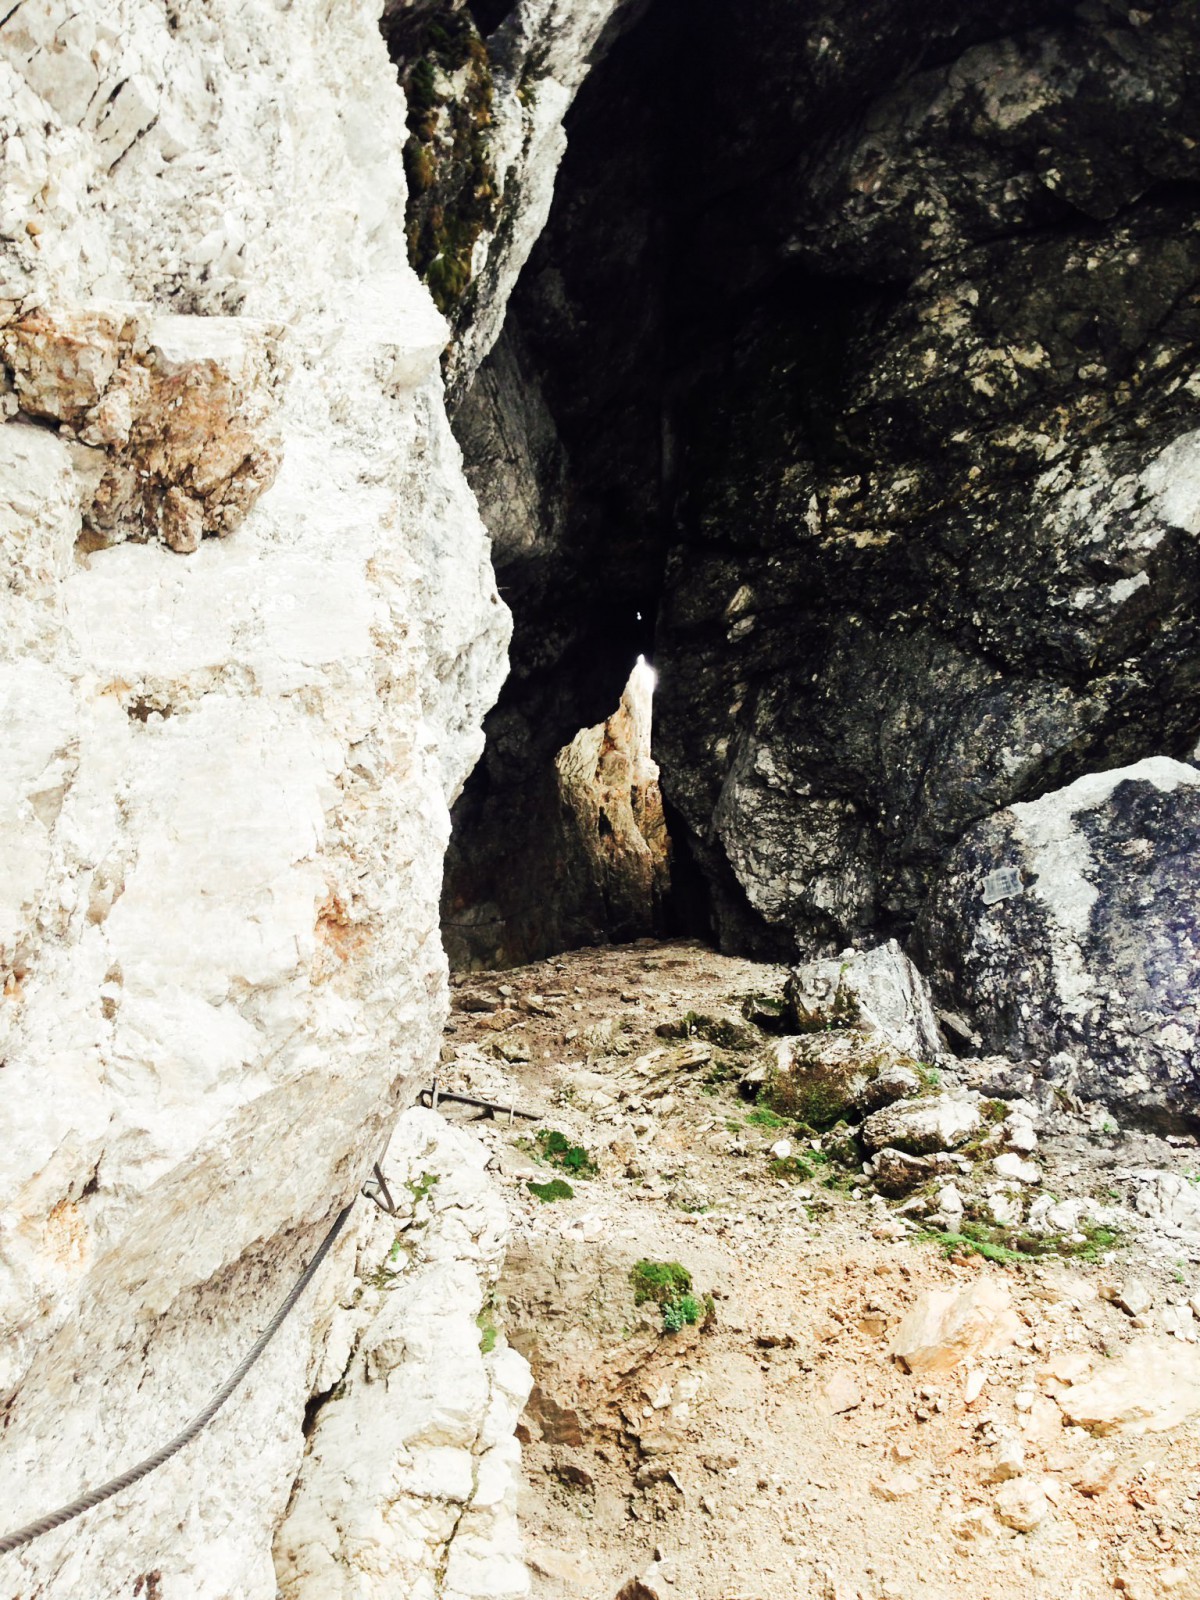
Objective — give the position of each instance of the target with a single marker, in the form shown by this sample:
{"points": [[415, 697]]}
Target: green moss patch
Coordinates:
{"points": [[659, 1281], [764, 1117], [1012, 1246], [556, 1189], [669, 1285], [815, 1093], [792, 1168], [452, 193]]}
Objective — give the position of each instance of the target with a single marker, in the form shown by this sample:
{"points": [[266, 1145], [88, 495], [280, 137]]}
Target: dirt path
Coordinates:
{"points": [[780, 1451]]}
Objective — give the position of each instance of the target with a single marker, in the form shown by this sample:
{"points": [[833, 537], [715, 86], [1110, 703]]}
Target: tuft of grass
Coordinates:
{"points": [[556, 1148], [488, 1331], [556, 1189], [930, 1077]]}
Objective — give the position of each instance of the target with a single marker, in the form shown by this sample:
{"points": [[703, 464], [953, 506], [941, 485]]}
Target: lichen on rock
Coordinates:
{"points": [[181, 408]]}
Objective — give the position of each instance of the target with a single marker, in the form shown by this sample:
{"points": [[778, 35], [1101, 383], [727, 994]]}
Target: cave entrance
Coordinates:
{"points": [[585, 860]]}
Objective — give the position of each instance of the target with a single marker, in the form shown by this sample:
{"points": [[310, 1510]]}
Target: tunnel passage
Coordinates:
{"points": [[844, 383]]}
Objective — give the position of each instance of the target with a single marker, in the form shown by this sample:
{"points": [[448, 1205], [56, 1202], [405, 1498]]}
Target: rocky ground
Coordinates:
{"points": [[984, 1381]]}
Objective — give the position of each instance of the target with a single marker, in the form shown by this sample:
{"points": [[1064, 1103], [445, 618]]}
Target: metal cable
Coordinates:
{"points": [[86, 1502]]}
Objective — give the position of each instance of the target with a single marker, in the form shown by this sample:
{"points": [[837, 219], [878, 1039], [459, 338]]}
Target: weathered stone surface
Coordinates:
{"points": [[486, 101], [1155, 1385], [226, 777], [1010, 1165], [1021, 1504], [881, 989], [922, 1126], [841, 1393], [1094, 961], [892, 1082], [897, 1173], [394, 1492], [945, 1327], [181, 407], [1170, 1199]]}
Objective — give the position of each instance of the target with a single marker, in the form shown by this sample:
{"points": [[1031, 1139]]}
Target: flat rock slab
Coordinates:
{"points": [[1154, 1386]]}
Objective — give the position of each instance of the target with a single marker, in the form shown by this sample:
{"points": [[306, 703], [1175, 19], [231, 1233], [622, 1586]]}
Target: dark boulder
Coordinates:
{"points": [[1068, 929]]}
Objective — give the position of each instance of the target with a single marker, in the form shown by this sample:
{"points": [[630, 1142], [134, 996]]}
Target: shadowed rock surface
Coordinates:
{"points": [[861, 346]]}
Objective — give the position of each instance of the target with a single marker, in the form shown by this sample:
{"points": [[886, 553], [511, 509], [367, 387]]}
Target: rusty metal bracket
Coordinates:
{"points": [[376, 1189], [431, 1098]]}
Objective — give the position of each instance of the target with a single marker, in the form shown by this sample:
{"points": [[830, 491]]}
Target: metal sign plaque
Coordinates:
{"points": [[1001, 885]]}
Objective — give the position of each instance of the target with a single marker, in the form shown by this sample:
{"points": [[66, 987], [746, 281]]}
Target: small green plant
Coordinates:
{"points": [[1192, 1177], [556, 1148], [556, 1189], [421, 1188], [679, 1313], [488, 1331], [930, 1077]]}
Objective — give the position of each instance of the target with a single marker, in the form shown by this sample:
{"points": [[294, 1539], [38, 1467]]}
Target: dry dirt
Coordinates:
{"points": [[781, 1451]]}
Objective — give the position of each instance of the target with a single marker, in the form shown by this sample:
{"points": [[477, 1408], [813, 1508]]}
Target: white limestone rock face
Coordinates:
{"points": [[1068, 929], [223, 799], [409, 1484]]}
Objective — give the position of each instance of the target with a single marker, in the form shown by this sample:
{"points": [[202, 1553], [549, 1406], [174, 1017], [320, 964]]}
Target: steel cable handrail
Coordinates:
{"points": [[87, 1502]]}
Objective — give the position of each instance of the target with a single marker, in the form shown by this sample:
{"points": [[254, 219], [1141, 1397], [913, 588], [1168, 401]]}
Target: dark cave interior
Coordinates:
{"points": [[832, 316]]}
